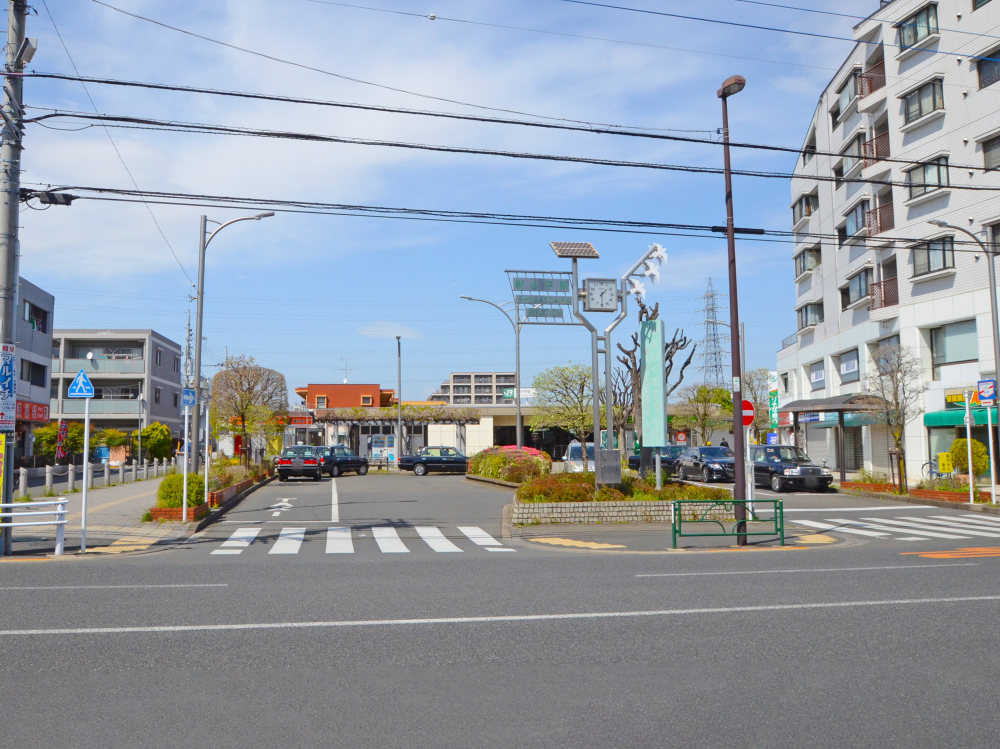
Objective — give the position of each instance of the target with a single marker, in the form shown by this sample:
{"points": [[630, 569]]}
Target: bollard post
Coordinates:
{"points": [[107, 474], [71, 478], [22, 483], [135, 470], [89, 475], [61, 529], [145, 468], [48, 479]]}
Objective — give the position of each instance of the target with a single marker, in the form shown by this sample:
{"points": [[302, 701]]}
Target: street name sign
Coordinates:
{"points": [[81, 387]]}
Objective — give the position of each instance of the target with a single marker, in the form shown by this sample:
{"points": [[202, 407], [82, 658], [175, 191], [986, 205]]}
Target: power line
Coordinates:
{"points": [[617, 130], [143, 123], [756, 27], [113, 144]]}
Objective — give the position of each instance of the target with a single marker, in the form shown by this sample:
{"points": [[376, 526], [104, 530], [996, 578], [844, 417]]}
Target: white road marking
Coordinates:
{"points": [[899, 526], [335, 512], [275, 514], [338, 541], [512, 618], [388, 541], [830, 569], [236, 543], [973, 530], [289, 541], [982, 516], [436, 540], [828, 527], [479, 537], [855, 509], [112, 587], [963, 522]]}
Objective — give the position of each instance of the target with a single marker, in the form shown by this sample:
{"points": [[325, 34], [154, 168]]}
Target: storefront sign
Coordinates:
{"points": [[772, 399], [28, 411], [8, 387], [955, 398], [301, 420]]}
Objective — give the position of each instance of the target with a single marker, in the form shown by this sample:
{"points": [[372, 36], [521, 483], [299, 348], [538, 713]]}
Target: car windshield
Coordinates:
{"points": [[716, 452], [299, 452], [786, 454], [576, 452], [672, 451]]}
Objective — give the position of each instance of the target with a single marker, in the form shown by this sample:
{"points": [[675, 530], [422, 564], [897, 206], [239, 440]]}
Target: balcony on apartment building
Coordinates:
{"points": [[872, 80], [880, 220], [885, 293], [877, 149]]}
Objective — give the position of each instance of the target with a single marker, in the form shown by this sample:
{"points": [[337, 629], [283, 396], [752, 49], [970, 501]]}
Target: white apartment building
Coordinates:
{"points": [[869, 267]]}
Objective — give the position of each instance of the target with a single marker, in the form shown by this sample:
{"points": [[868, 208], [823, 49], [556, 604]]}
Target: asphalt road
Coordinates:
{"points": [[858, 642]]}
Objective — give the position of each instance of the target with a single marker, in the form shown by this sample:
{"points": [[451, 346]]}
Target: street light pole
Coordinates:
{"points": [[517, 364], [399, 401], [203, 239], [732, 86]]}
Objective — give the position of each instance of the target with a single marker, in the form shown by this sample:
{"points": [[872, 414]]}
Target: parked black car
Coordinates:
{"points": [[786, 467], [708, 463], [446, 459], [668, 461], [340, 458], [300, 460]]}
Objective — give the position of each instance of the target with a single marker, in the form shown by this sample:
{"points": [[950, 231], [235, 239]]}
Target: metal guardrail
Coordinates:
{"points": [[786, 342], [776, 524], [7, 517]]}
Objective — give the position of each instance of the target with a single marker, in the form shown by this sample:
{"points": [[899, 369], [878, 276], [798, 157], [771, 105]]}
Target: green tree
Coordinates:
{"points": [[47, 436], [564, 398], [756, 389], [157, 440], [960, 457], [109, 438], [251, 399], [704, 409]]}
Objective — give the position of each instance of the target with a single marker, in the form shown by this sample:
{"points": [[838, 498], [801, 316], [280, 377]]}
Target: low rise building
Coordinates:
{"points": [[33, 346], [477, 389]]}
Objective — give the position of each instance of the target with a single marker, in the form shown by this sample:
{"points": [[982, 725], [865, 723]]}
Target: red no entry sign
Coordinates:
{"points": [[747, 413]]}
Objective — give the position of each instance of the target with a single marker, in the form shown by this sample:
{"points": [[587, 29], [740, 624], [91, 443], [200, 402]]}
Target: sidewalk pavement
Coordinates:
{"points": [[114, 522]]}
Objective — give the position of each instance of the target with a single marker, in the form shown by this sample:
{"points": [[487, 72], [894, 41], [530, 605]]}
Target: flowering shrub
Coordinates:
{"points": [[579, 487], [171, 491], [226, 472], [510, 464]]}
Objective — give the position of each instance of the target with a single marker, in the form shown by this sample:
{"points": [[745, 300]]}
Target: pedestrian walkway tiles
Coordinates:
{"points": [[911, 527], [339, 540]]}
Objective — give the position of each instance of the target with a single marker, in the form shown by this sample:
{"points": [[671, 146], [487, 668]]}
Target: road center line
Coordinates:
{"points": [[335, 518], [491, 619], [857, 509], [829, 569], [112, 587]]}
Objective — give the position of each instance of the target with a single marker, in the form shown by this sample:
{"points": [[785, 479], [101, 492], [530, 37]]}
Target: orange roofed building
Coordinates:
{"points": [[346, 396]]}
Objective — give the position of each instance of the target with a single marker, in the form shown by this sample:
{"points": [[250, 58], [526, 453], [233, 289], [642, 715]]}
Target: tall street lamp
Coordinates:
{"points": [[732, 86], [517, 361], [993, 288], [203, 239], [399, 399]]}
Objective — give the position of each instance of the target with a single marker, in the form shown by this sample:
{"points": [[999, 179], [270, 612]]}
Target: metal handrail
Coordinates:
{"points": [[6, 511]]}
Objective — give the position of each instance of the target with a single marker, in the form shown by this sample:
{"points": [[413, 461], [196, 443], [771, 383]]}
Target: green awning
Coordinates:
{"points": [[955, 417]]}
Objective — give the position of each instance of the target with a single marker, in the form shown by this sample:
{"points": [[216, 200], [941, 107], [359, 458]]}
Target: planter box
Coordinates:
{"points": [[942, 496], [223, 495], [625, 511], [174, 513], [881, 488]]}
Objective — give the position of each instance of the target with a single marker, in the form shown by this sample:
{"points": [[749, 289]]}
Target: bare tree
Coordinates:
{"points": [[756, 389], [624, 401], [250, 398], [894, 387], [564, 398]]}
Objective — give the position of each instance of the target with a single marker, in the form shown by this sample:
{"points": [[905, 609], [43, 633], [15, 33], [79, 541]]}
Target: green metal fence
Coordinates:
{"points": [[714, 512]]}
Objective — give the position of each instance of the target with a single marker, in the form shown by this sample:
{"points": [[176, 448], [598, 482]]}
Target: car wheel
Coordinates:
{"points": [[419, 469], [680, 473], [282, 478], [776, 482], [705, 477], [335, 471], [318, 476], [362, 470]]}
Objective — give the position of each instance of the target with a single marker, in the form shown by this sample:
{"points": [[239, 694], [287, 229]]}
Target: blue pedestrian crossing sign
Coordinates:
{"points": [[81, 387]]}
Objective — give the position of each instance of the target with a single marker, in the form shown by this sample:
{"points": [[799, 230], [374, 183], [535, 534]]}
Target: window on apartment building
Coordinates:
{"points": [[926, 99], [857, 289], [462, 399], [807, 260], [804, 206], [856, 222], [918, 27], [36, 317], [849, 91], [159, 357], [156, 395], [484, 379], [991, 153], [320, 401], [989, 68], [809, 149], [461, 378], [849, 370], [177, 400], [56, 349], [810, 314], [953, 344], [928, 177], [463, 389], [54, 389], [445, 389], [817, 376], [366, 400], [933, 256], [116, 392], [784, 383], [854, 152], [977, 4], [177, 364], [484, 399], [481, 389], [33, 372], [505, 379]]}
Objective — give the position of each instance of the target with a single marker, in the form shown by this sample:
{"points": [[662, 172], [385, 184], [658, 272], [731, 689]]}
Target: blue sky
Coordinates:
{"points": [[304, 293]]}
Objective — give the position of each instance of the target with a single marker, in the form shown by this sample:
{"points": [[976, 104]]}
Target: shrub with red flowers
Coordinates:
{"points": [[510, 464]]}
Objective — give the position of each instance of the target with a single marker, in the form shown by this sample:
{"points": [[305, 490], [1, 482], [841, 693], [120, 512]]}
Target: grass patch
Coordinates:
{"points": [[579, 487]]}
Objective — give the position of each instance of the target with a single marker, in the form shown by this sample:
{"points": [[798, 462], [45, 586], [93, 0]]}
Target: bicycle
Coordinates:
{"points": [[929, 471]]}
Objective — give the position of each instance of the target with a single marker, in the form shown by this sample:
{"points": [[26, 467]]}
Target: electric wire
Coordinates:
{"points": [[617, 131], [113, 144], [141, 123]]}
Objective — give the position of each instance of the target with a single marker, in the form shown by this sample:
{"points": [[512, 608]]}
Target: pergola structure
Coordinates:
{"points": [[838, 404]]}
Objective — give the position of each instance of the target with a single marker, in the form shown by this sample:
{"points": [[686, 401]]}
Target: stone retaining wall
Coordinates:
{"points": [[536, 513]]}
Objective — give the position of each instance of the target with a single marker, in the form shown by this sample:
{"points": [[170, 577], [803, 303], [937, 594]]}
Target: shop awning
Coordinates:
{"points": [[855, 402], [955, 417]]}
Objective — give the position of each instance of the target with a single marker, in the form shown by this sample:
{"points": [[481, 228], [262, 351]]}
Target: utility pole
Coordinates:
{"points": [[18, 48]]}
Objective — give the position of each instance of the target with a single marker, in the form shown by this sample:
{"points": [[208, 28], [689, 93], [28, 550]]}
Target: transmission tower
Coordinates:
{"points": [[712, 351]]}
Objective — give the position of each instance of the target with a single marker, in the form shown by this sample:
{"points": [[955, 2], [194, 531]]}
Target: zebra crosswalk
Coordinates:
{"points": [[340, 540], [912, 527]]}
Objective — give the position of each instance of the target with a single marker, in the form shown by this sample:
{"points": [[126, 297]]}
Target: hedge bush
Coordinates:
{"points": [[171, 491], [579, 487], [960, 456], [510, 464]]}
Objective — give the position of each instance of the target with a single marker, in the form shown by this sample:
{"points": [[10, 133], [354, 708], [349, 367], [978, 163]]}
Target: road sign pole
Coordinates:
{"points": [[968, 444], [993, 478], [187, 442], [86, 474]]}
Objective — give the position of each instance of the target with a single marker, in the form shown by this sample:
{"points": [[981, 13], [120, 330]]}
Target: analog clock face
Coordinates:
{"points": [[601, 295]]}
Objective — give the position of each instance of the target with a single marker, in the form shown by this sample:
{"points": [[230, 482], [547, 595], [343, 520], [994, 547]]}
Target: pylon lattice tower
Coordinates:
{"points": [[713, 351]]}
